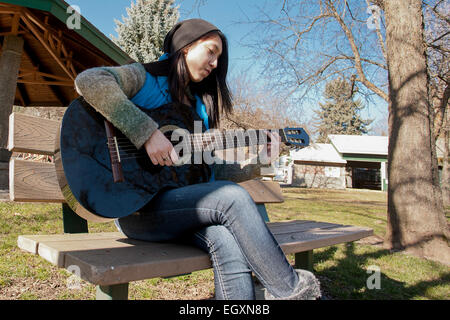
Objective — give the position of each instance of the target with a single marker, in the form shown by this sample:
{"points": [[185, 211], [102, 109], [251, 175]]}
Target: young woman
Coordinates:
{"points": [[216, 215]]}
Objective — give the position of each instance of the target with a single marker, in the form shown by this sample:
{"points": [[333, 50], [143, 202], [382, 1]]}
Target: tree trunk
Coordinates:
{"points": [[416, 221], [445, 180]]}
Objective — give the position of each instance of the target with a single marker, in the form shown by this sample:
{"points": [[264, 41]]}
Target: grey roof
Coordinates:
{"points": [[376, 145], [349, 144], [318, 152]]}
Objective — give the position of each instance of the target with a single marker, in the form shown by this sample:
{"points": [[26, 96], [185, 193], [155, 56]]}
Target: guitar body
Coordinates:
{"points": [[86, 165]]}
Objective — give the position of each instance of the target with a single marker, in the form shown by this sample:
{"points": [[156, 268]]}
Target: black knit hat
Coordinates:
{"points": [[186, 32]]}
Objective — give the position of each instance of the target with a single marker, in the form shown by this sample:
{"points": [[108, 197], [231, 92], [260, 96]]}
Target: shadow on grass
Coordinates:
{"points": [[349, 278]]}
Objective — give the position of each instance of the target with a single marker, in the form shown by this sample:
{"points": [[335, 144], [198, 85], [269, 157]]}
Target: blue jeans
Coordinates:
{"points": [[221, 218]]}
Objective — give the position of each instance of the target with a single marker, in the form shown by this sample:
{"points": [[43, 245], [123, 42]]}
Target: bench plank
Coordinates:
{"points": [[111, 258], [30, 242], [31, 134], [131, 263], [263, 191], [299, 226], [319, 238], [31, 181]]}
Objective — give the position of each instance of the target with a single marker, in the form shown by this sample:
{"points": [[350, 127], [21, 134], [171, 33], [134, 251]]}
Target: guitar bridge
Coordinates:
{"points": [[116, 166], [117, 148]]}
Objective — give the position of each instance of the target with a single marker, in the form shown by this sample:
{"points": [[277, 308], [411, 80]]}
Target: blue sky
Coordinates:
{"points": [[225, 14]]}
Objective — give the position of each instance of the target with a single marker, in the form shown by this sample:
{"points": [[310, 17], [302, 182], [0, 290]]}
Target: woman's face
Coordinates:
{"points": [[202, 57]]}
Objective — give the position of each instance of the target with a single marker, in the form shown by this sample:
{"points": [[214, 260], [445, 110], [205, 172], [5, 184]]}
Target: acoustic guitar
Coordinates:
{"points": [[103, 176]]}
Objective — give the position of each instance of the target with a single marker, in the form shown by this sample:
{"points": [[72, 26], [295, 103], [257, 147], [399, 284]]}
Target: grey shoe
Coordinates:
{"points": [[308, 288]]}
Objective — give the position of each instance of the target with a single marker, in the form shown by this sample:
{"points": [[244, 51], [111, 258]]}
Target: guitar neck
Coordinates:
{"points": [[230, 139]]}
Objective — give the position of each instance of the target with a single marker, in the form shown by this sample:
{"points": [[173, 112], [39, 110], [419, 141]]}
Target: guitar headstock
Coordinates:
{"points": [[295, 137]]}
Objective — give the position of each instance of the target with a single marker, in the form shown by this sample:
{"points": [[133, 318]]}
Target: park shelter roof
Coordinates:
{"points": [[53, 54], [318, 152]]}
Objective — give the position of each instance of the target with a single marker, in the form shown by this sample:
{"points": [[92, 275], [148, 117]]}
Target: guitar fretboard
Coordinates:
{"points": [[229, 139]]}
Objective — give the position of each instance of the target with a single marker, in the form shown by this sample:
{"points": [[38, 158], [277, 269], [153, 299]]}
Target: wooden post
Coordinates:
{"points": [[304, 260], [72, 222], [10, 58], [113, 292]]}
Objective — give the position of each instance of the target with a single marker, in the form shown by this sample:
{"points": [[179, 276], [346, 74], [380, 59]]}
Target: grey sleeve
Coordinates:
{"points": [[109, 90]]}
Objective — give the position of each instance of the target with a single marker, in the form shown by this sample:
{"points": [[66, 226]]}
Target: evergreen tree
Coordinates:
{"points": [[142, 33], [340, 114]]}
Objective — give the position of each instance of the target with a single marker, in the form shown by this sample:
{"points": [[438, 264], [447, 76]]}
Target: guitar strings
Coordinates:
{"points": [[135, 155], [197, 137], [199, 142]]}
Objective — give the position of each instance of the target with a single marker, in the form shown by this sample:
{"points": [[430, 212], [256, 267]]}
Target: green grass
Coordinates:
{"points": [[343, 207], [342, 269]]}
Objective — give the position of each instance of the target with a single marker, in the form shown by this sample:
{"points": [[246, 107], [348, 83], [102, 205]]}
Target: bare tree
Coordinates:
{"points": [[311, 42], [415, 211], [257, 107], [437, 36], [437, 40]]}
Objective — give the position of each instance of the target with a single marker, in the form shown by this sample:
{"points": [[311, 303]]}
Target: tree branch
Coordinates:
{"points": [[379, 35], [357, 58], [437, 13], [441, 111], [378, 64]]}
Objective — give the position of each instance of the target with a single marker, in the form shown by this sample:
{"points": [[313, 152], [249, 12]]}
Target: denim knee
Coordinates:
{"points": [[232, 190], [235, 199]]}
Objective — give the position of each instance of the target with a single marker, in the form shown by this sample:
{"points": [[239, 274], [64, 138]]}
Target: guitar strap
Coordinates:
{"points": [[157, 68]]}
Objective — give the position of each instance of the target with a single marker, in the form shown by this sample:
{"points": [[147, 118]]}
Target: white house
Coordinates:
{"points": [[318, 166], [366, 158], [346, 162]]}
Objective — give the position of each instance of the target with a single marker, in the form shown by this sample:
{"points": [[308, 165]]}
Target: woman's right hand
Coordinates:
{"points": [[160, 149]]}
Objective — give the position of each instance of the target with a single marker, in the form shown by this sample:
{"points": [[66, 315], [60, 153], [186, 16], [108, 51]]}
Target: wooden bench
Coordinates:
{"points": [[109, 259]]}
